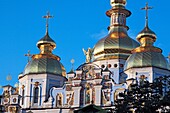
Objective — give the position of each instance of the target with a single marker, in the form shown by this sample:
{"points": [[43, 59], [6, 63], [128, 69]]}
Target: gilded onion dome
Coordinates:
{"points": [[45, 61], [117, 44], [147, 55]]}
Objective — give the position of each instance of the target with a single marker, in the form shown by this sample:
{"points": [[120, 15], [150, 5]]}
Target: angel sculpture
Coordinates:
{"points": [[88, 54]]}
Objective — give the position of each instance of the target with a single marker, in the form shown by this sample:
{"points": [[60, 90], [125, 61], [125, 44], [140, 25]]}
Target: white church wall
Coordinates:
{"points": [[114, 65]]}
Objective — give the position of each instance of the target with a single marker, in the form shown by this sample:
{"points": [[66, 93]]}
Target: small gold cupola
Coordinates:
{"points": [[45, 61], [147, 37], [46, 44], [146, 55]]}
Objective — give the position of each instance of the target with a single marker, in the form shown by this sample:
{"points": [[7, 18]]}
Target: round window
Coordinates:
{"points": [[102, 66], [115, 65], [109, 65]]}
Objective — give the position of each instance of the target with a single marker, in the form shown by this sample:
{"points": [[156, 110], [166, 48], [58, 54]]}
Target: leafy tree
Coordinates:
{"points": [[145, 97]]}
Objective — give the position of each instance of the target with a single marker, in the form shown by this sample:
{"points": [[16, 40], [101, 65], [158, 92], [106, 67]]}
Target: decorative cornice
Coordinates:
{"points": [[147, 49], [106, 51], [118, 10], [38, 56]]}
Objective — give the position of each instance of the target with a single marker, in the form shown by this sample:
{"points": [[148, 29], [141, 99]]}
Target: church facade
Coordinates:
{"points": [[44, 86]]}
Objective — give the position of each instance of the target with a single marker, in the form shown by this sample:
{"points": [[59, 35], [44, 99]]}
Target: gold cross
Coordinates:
{"points": [[28, 55], [48, 16], [146, 8]]}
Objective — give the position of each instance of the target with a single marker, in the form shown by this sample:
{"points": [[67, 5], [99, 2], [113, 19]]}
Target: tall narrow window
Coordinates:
{"points": [[23, 93], [88, 94], [36, 92]]}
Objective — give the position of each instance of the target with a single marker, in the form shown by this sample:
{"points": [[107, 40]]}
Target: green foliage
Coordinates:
{"points": [[145, 97]]}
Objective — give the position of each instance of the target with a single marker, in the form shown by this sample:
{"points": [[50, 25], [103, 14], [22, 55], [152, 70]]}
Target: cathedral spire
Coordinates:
{"points": [[146, 17], [46, 44]]}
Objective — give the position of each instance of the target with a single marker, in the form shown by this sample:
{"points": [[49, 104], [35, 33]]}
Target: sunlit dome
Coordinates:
{"points": [[147, 55], [45, 65], [114, 45], [117, 44], [146, 59], [45, 61]]}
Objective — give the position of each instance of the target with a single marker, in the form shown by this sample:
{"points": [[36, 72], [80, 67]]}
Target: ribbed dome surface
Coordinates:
{"points": [[45, 65], [146, 59], [122, 45]]}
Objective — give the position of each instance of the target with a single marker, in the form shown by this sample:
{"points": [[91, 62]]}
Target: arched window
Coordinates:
{"points": [[82, 96], [142, 79], [36, 92], [88, 95], [23, 93]]}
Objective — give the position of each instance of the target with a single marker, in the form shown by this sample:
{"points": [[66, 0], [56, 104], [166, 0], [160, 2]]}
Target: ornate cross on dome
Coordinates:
{"points": [[48, 16], [146, 8], [28, 55]]}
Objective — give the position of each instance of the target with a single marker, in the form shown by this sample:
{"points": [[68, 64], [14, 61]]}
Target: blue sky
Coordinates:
{"points": [[76, 24]]}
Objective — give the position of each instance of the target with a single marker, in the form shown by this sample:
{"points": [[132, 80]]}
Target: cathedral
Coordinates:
{"points": [[111, 65]]}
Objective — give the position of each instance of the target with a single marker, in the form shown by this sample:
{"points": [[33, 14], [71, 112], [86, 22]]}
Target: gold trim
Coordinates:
{"points": [[111, 11], [106, 51], [147, 49], [118, 35], [38, 56], [109, 57]]}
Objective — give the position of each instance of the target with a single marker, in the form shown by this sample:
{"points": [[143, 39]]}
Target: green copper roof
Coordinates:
{"points": [[45, 65], [146, 59]]}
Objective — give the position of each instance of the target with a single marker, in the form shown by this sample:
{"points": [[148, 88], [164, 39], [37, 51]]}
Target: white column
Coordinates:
{"points": [[76, 96], [97, 95]]}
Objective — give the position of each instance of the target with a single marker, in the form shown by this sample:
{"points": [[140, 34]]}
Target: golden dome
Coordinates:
{"points": [[146, 59], [45, 61], [45, 65], [117, 44], [114, 45], [147, 55]]}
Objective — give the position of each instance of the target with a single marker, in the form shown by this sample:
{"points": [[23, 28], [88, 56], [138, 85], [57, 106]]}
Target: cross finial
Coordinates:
{"points": [[146, 8], [48, 16], [28, 55]]}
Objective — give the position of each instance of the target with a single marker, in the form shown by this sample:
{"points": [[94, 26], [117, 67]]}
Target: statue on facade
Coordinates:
{"points": [[88, 54]]}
